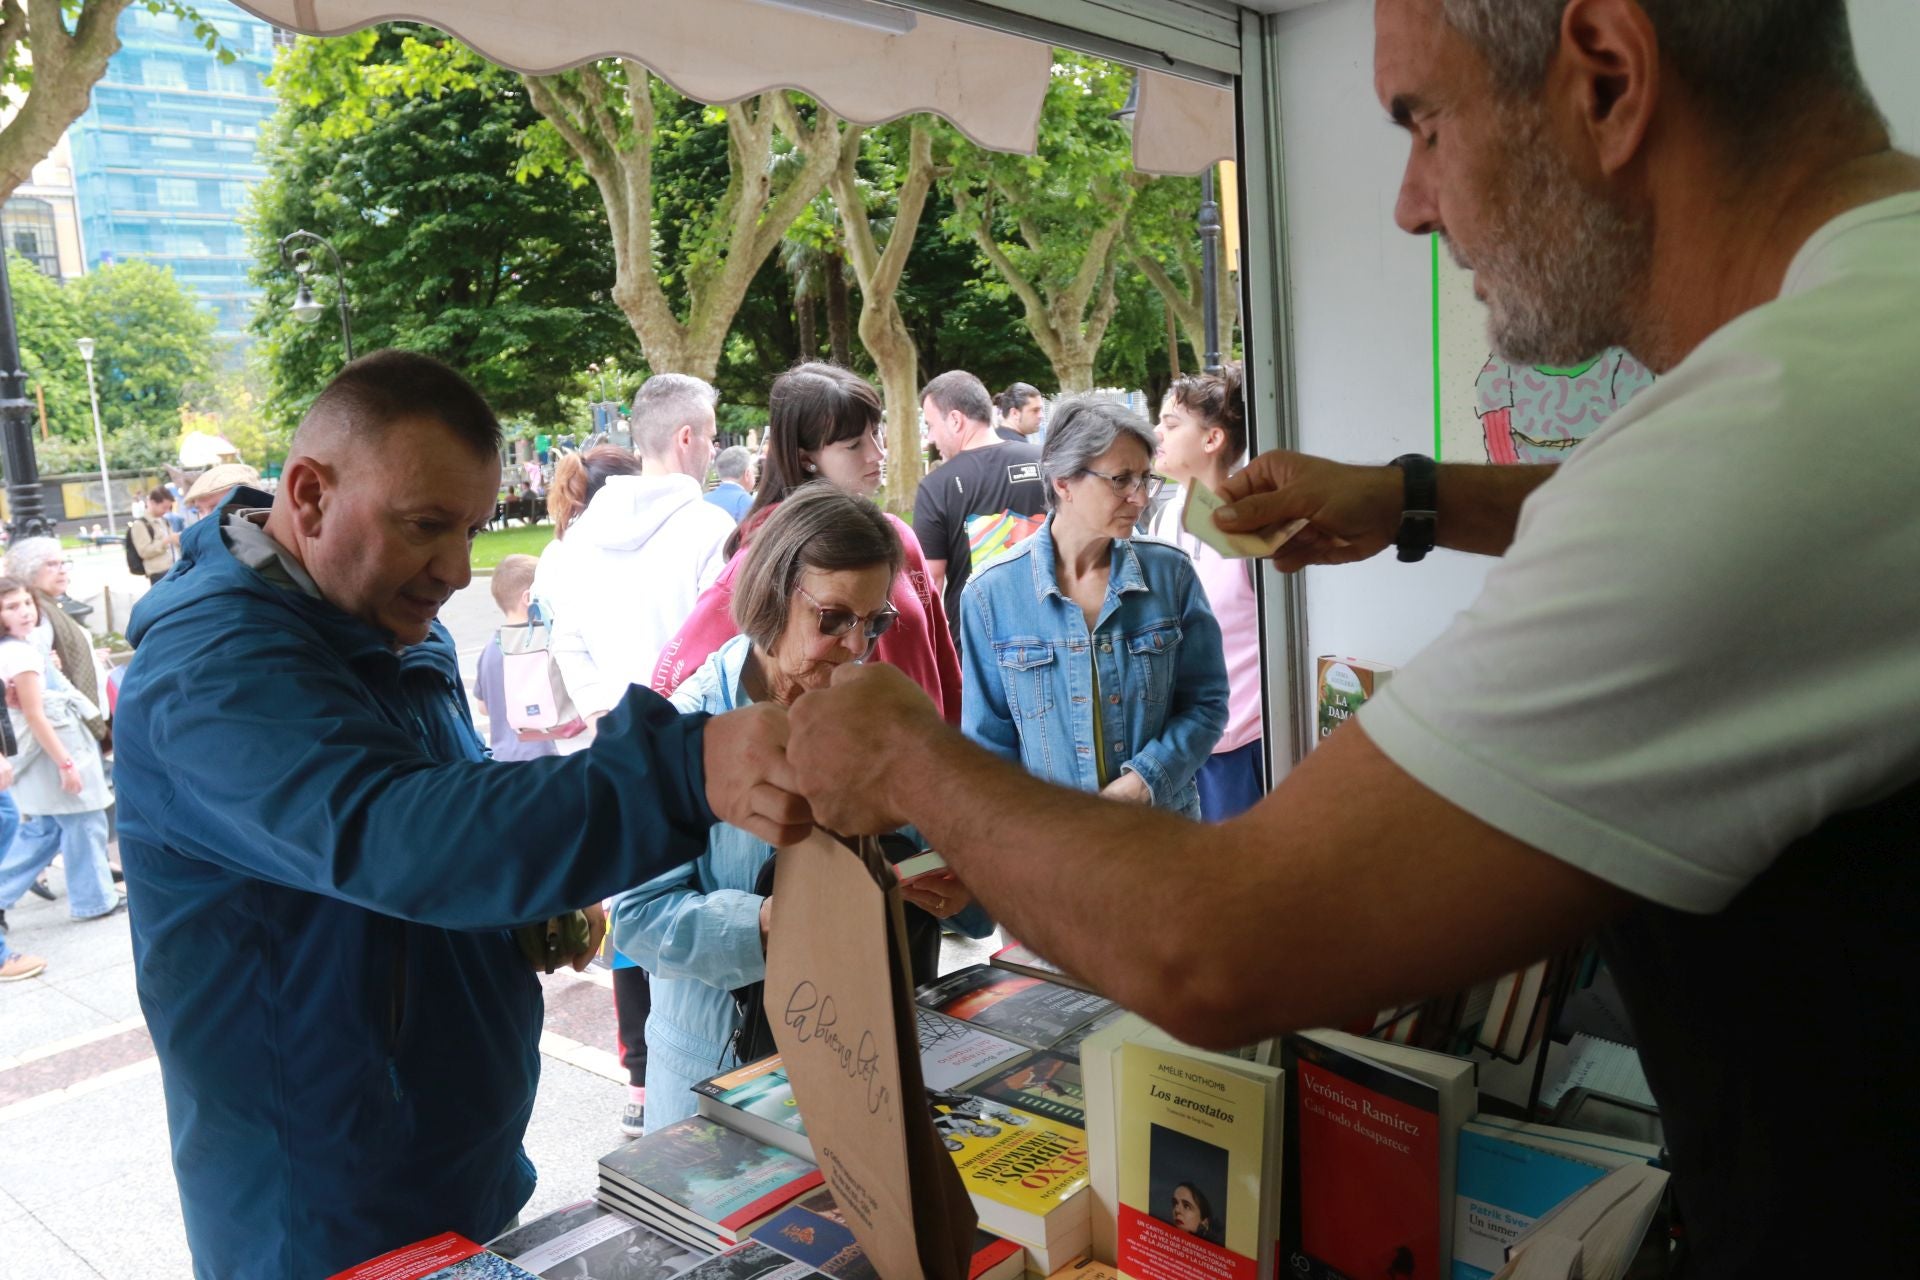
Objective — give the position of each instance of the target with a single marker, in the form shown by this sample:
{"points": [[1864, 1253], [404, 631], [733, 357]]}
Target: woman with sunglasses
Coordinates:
{"points": [[1091, 657], [812, 594], [824, 424]]}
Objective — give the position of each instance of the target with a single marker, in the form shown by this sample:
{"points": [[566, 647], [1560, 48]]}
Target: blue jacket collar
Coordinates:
{"points": [[207, 568], [1122, 577]]}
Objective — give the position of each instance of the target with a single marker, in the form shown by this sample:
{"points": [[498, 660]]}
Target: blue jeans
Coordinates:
{"points": [[83, 836], [1230, 782]]}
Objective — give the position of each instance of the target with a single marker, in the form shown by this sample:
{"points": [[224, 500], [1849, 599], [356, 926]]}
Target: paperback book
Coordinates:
{"points": [[588, 1239], [750, 1261], [700, 1180], [954, 1053], [1032, 1011], [1017, 957], [1511, 1174], [1027, 1175], [757, 1100], [1344, 685], [1370, 1156], [1045, 1084], [448, 1256], [1199, 1165]]}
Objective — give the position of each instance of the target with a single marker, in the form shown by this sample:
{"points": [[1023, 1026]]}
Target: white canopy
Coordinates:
{"points": [[204, 449], [869, 62]]}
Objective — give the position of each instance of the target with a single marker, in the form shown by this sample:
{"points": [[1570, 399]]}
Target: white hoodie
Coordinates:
{"points": [[633, 565]]}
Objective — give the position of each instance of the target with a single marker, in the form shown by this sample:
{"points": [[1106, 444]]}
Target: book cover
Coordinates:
{"points": [[758, 1089], [953, 1053], [1045, 1084], [1027, 1163], [1502, 1186], [715, 1174], [1197, 1155], [448, 1256], [1069, 1045], [750, 1261], [1031, 1010], [1363, 1184], [813, 1230], [588, 1239], [1344, 685]]}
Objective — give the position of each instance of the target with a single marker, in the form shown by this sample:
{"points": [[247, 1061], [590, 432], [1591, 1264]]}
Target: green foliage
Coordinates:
{"points": [[408, 153], [961, 314], [153, 351]]}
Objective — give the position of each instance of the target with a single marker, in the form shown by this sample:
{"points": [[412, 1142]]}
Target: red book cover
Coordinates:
{"points": [[448, 1256], [1154, 1250], [1362, 1190]]}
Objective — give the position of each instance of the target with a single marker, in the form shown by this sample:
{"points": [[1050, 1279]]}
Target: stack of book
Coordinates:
{"points": [[1026, 1175], [1020, 1007], [588, 1239], [701, 1183]]}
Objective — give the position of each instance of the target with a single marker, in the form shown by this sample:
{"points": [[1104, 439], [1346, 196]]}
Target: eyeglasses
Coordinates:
{"points": [[836, 622], [1127, 483]]}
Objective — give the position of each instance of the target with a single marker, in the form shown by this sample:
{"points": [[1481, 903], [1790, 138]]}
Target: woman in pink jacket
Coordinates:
{"points": [[824, 424]]}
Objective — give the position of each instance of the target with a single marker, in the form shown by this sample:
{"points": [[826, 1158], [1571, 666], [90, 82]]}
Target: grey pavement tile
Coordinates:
{"points": [[10, 1209], [33, 1013], [28, 1249], [71, 947], [56, 1155], [575, 1122], [109, 992], [127, 1229]]}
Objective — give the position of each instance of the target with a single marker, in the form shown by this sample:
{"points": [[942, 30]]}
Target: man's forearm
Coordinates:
{"points": [[1479, 505]]}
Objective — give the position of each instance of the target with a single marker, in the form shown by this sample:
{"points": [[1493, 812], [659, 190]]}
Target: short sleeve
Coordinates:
{"points": [[1700, 644], [930, 524], [17, 656]]}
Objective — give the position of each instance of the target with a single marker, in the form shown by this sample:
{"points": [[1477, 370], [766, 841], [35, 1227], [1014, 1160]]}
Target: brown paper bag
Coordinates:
{"points": [[841, 1005]]}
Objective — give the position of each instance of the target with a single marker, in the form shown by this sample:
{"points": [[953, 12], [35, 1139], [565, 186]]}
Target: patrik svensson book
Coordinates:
{"points": [[1035, 1012], [701, 1180]]}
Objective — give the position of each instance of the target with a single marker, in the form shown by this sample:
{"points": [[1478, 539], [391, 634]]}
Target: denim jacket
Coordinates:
{"points": [[696, 929], [1029, 661]]}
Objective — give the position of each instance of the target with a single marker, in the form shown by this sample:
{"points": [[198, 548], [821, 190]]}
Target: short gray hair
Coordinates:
{"points": [[27, 557], [1083, 428], [816, 527], [1742, 60], [733, 462], [665, 403]]}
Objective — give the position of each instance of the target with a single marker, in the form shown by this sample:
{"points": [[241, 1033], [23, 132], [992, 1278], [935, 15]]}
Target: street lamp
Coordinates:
{"points": [[99, 437], [306, 308], [1208, 224], [24, 498]]}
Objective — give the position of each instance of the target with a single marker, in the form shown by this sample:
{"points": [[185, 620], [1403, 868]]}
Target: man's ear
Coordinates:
{"points": [[684, 436], [307, 485], [1608, 72]]}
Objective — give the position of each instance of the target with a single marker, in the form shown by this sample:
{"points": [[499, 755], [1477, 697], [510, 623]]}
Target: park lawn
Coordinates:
{"points": [[495, 545]]}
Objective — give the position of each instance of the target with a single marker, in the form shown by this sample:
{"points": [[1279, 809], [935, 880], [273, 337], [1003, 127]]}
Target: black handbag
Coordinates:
{"points": [[753, 1034]]}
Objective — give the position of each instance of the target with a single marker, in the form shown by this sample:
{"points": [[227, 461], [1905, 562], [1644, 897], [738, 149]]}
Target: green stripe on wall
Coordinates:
{"points": [[1435, 289]]}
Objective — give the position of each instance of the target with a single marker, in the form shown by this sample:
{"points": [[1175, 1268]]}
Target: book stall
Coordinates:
{"points": [[1005, 1122]]}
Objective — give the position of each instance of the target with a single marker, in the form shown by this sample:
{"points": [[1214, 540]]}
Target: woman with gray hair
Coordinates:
{"points": [[41, 563], [1089, 657], [812, 595]]}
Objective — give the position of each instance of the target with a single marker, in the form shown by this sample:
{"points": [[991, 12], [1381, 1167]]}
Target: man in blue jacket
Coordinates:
{"points": [[323, 866]]}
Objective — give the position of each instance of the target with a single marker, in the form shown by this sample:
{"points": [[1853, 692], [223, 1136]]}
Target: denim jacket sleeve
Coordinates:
{"points": [[984, 714], [671, 929], [1197, 703]]}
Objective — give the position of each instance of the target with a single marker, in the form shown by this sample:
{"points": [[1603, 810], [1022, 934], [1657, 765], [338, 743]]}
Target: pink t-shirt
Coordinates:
{"points": [[1230, 595]]}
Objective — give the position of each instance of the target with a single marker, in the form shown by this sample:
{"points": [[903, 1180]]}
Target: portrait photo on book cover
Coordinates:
{"points": [[1187, 1184]]}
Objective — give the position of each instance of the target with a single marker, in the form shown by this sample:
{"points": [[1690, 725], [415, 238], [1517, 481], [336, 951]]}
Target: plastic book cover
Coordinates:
{"points": [[759, 1089], [590, 1240], [1045, 1084], [716, 1174], [1026, 1162], [952, 1053], [1363, 1168], [750, 1261], [1195, 1159], [1031, 1010]]}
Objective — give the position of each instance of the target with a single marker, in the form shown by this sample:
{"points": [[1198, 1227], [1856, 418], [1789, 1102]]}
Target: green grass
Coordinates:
{"points": [[495, 545]]}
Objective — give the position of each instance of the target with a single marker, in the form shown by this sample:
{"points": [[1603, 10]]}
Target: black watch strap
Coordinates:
{"points": [[1418, 515]]}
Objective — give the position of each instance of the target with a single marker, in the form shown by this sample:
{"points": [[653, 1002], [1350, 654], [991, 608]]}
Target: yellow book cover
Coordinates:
{"points": [[1193, 1141], [1026, 1162]]}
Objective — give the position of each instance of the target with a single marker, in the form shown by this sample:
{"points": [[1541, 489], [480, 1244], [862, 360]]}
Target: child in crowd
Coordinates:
{"points": [[513, 592], [58, 778]]}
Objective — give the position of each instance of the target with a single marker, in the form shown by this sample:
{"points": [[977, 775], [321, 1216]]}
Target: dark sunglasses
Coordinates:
{"points": [[836, 622]]}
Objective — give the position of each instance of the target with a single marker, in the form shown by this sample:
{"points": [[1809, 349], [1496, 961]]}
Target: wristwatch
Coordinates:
{"points": [[1418, 515]]}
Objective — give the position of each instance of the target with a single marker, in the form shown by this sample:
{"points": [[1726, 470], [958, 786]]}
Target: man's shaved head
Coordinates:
{"points": [[379, 392]]}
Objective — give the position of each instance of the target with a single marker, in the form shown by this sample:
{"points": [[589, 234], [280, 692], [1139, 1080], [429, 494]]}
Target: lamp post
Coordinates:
{"points": [[305, 307], [99, 437], [24, 500]]}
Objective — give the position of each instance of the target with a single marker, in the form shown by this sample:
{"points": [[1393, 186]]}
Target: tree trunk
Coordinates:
{"points": [[65, 69], [806, 318], [884, 334], [839, 326]]}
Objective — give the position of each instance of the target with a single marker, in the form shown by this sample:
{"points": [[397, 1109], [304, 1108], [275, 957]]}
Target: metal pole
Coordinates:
{"points": [[1210, 270], [24, 498], [287, 256], [100, 443]]}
